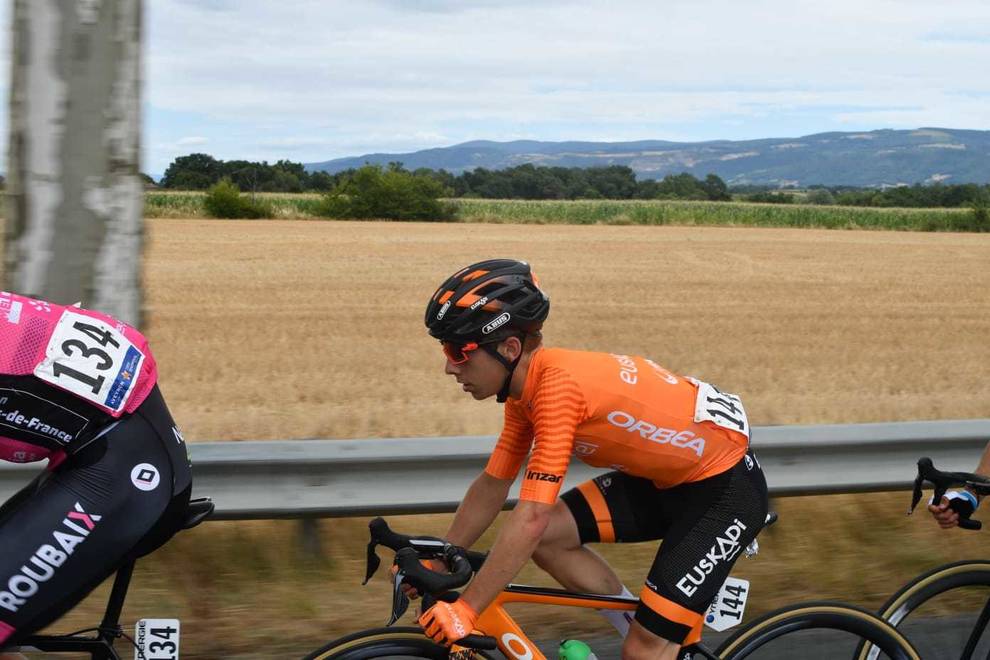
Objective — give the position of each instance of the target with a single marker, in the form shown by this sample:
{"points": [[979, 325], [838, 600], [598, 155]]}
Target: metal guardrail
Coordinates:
{"points": [[336, 478]]}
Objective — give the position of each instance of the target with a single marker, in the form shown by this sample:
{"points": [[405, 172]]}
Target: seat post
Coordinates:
{"points": [[111, 619]]}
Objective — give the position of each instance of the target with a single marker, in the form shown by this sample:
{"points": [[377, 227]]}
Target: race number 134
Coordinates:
{"points": [[156, 639], [91, 359]]}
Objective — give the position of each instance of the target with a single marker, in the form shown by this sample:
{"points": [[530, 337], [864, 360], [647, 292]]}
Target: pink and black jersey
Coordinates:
{"points": [[65, 373]]}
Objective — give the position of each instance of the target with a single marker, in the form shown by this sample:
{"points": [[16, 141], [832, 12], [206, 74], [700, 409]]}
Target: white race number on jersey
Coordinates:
{"points": [[91, 359]]}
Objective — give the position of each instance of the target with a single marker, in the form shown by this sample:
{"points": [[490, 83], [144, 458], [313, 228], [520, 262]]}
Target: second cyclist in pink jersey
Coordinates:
{"points": [[677, 448], [80, 388]]}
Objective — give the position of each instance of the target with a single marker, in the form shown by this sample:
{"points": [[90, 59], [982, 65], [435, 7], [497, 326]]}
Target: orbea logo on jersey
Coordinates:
{"points": [[496, 324], [726, 548], [654, 433], [543, 476], [48, 558]]}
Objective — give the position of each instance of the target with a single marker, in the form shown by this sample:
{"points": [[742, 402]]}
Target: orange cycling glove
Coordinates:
{"points": [[445, 623]]}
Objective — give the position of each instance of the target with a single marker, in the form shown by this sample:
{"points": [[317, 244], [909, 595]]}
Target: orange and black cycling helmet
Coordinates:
{"points": [[486, 302]]}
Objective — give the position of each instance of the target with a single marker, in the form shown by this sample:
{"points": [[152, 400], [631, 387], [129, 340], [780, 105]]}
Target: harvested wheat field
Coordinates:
{"points": [[300, 329]]}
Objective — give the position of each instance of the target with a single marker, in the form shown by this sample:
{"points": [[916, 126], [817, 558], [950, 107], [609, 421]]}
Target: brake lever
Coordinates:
{"points": [[373, 561], [400, 602], [938, 492], [916, 496]]}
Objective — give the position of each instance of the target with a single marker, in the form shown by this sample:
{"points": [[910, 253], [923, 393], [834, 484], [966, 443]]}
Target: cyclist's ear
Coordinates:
{"points": [[510, 347]]}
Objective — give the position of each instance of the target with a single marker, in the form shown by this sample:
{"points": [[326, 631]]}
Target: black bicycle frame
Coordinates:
{"points": [[978, 630], [99, 647]]}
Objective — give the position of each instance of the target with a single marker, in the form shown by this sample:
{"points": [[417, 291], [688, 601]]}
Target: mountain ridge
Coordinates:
{"points": [[882, 157]]}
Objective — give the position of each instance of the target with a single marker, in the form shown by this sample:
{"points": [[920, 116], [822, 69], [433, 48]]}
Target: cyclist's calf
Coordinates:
{"points": [[641, 644]]}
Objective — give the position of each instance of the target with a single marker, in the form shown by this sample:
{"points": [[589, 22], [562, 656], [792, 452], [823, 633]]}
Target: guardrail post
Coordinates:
{"points": [[309, 538]]}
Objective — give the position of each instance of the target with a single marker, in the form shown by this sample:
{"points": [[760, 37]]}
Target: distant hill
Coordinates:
{"points": [[876, 158]]}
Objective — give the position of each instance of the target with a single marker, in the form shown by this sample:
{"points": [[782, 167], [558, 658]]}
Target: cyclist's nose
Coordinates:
{"points": [[451, 369]]}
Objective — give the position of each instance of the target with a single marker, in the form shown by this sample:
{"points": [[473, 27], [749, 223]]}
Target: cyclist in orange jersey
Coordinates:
{"points": [[678, 449]]}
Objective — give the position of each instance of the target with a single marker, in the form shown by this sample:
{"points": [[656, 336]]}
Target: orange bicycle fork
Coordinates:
{"points": [[512, 641]]}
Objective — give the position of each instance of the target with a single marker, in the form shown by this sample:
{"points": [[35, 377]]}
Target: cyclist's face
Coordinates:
{"points": [[481, 374]]}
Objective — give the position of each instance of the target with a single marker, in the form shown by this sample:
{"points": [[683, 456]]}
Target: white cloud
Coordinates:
{"points": [[323, 79], [192, 141]]}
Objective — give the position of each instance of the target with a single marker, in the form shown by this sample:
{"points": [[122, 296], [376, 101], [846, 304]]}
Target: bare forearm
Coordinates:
{"points": [[482, 502], [515, 544], [984, 467]]}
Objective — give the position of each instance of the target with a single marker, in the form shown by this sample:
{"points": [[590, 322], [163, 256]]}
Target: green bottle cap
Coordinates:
{"points": [[575, 649]]}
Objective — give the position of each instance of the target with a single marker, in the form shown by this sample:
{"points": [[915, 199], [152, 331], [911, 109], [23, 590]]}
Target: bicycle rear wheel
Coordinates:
{"points": [[398, 642], [816, 630], [944, 612]]}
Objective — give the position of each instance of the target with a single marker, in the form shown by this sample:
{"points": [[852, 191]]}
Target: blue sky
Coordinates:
{"points": [[315, 80]]}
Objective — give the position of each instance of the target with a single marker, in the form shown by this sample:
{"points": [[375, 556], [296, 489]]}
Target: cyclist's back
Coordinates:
{"points": [[620, 411], [79, 388]]}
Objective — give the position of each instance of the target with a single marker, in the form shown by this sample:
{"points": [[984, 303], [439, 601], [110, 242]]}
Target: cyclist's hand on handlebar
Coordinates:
{"points": [[445, 623], [944, 516], [954, 505], [433, 564]]}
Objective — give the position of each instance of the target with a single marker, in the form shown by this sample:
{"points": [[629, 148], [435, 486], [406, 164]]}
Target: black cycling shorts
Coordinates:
{"points": [[119, 497], [704, 525]]}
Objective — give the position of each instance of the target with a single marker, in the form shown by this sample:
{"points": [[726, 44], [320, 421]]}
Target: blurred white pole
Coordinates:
{"points": [[75, 200]]}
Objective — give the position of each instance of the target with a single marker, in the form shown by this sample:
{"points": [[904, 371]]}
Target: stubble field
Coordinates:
{"points": [[295, 329]]}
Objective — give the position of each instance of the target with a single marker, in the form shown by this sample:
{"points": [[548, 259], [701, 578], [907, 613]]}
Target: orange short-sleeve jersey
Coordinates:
{"points": [[616, 411]]}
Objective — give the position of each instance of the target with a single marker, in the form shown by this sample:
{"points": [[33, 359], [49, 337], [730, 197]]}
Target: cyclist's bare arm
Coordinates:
{"points": [[984, 466], [482, 502], [517, 539]]}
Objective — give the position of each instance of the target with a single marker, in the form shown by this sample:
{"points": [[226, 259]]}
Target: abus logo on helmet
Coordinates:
{"points": [[496, 324], [443, 310]]}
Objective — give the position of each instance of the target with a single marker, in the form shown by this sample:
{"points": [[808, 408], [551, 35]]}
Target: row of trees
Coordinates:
{"points": [[917, 196], [200, 171], [395, 193], [929, 196], [612, 182]]}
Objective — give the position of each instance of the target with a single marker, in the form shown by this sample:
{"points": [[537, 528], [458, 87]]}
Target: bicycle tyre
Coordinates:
{"points": [[818, 615], [926, 586], [406, 641]]}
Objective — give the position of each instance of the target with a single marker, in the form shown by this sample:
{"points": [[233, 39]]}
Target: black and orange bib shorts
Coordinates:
{"points": [[705, 526]]}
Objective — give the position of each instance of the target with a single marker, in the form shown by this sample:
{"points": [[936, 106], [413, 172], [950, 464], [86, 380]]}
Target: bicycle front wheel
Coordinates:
{"points": [[822, 630], [398, 642], [944, 611]]}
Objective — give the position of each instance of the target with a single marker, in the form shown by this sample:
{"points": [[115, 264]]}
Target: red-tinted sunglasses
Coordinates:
{"points": [[458, 353]]}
